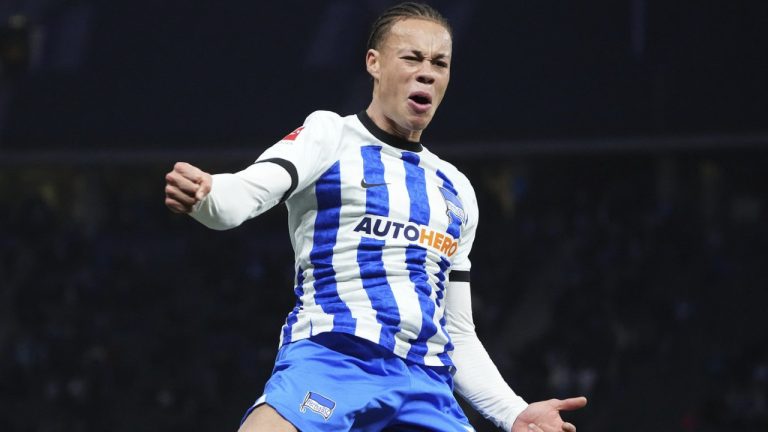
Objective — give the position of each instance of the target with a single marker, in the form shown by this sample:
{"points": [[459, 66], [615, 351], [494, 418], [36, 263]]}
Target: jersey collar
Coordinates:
{"points": [[387, 137]]}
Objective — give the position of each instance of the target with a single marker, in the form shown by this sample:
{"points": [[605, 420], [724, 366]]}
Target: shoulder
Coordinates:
{"points": [[321, 116], [321, 127], [466, 193], [323, 122]]}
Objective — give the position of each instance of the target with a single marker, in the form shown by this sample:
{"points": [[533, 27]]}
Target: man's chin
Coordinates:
{"points": [[419, 122]]}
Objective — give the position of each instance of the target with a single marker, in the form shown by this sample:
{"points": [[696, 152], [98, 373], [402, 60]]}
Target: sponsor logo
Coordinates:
{"points": [[370, 185], [454, 205], [383, 228], [319, 404], [292, 136]]}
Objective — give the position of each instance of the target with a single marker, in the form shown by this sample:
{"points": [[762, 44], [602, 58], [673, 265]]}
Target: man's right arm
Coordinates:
{"points": [[224, 201]]}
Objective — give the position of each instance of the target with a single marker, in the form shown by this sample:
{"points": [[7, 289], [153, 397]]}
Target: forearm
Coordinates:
{"points": [[479, 382], [477, 379], [235, 198]]}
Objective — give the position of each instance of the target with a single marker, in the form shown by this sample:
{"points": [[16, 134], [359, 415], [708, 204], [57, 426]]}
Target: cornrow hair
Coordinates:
{"points": [[400, 12]]}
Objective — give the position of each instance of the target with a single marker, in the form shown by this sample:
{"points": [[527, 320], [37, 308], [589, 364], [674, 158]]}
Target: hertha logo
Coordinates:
{"points": [[455, 207], [319, 404]]}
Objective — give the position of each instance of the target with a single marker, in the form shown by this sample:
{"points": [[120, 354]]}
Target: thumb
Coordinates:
{"points": [[204, 185], [570, 404]]}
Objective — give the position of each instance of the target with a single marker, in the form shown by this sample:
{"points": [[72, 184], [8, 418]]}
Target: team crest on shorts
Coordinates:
{"points": [[455, 207], [319, 404]]}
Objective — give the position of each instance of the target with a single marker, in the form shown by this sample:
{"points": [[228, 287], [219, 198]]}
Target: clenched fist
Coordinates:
{"points": [[185, 186]]}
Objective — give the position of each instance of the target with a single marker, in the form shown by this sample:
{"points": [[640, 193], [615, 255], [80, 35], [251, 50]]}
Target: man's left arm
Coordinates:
{"points": [[479, 382], [477, 379]]}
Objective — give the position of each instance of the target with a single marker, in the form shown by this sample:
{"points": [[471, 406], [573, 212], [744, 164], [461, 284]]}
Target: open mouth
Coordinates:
{"points": [[421, 98], [420, 101]]}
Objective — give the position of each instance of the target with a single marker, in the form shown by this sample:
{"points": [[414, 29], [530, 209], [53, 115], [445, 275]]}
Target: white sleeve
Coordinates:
{"points": [[235, 198], [288, 166], [477, 379], [309, 151]]}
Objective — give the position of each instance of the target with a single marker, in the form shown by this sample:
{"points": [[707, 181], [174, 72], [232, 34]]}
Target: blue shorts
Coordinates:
{"points": [[338, 382]]}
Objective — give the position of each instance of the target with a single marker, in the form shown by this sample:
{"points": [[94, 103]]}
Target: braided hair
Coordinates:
{"points": [[400, 12]]}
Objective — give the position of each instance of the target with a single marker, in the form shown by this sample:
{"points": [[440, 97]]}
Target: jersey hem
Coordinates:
{"points": [[436, 360]]}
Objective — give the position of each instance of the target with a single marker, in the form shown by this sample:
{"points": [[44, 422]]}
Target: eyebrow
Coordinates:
{"points": [[420, 54]]}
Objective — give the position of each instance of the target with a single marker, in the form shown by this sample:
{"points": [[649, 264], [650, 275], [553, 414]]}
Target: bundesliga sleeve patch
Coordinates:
{"points": [[293, 135]]}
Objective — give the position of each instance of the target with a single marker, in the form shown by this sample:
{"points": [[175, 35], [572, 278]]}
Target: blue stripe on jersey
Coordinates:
{"points": [[417, 188], [416, 256], [369, 252], [444, 264], [454, 228], [415, 259], [374, 276], [328, 194], [293, 317], [376, 196]]}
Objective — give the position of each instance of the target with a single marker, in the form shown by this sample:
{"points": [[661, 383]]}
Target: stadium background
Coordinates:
{"points": [[618, 150]]}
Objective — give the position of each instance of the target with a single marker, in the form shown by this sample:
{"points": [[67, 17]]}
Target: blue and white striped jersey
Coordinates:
{"points": [[377, 224]]}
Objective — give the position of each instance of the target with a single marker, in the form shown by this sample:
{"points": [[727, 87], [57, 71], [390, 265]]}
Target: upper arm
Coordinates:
{"points": [[308, 151], [458, 308]]}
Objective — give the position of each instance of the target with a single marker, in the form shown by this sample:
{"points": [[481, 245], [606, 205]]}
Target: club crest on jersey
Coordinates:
{"points": [[455, 207], [319, 404]]}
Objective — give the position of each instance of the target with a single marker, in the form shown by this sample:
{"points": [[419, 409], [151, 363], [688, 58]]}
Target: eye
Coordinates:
{"points": [[410, 58], [441, 64]]}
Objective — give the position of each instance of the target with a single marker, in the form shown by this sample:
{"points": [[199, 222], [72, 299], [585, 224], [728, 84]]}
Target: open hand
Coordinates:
{"points": [[544, 416]]}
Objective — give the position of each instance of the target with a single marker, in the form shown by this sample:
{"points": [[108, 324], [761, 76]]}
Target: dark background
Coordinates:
{"points": [[618, 150]]}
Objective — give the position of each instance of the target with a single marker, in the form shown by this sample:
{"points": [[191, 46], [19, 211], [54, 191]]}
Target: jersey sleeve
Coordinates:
{"points": [[461, 264], [308, 151], [235, 198], [477, 378]]}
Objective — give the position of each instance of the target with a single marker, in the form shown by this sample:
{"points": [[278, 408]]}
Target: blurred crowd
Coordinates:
{"points": [[637, 280]]}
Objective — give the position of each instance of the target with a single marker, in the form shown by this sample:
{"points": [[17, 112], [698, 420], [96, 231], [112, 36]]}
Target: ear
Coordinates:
{"points": [[372, 58]]}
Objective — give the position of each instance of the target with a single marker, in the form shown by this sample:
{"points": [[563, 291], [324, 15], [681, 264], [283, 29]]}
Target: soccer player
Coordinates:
{"points": [[381, 228]]}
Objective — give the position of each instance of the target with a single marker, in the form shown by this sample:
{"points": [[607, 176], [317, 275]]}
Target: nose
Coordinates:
{"points": [[426, 75], [425, 78]]}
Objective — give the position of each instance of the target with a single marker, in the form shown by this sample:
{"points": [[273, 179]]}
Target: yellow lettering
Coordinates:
{"points": [[438, 240], [426, 236], [447, 245]]}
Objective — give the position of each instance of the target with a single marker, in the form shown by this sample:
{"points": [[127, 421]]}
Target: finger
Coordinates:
{"points": [[185, 184], [174, 193], [176, 206], [188, 170], [570, 404], [569, 427]]}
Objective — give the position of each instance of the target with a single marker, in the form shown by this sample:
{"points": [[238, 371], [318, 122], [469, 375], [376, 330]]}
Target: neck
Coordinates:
{"points": [[390, 126]]}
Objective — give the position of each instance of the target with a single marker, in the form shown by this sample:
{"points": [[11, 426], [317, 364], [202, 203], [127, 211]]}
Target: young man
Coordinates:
{"points": [[382, 230]]}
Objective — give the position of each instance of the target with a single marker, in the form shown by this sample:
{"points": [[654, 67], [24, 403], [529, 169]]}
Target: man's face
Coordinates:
{"points": [[412, 69]]}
